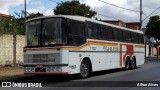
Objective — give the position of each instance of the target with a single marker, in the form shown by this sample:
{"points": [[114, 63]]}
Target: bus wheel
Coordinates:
{"points": [[127, 64], [84, 69], [133, 63]]}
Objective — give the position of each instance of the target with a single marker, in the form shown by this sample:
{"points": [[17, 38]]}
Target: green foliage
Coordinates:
{"points": [[5, 26], [12, 26], [153, 27], [15, 25], [34, 15], [74, 8]]}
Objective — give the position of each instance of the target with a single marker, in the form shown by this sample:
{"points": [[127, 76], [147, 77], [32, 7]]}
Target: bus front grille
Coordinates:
{"points": [[41, 58], [40, 69]]}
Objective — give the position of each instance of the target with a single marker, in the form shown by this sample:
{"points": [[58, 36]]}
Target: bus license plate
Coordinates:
{"points": [[39, 65]]}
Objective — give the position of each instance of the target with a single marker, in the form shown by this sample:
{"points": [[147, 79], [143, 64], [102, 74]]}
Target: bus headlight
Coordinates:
{"points": [[58, 69], [32, 69], [29, 69], [25, 69], [53, 69], [48, 69]]}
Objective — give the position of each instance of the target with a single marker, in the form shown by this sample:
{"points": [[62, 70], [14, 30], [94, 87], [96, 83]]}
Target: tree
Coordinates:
{"points": [[153, 30], [74, 8], [153, 27], [15, 26]]}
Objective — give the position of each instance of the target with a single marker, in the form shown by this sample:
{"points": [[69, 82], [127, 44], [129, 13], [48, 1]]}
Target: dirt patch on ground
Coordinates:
{"points": [[8, 72]]}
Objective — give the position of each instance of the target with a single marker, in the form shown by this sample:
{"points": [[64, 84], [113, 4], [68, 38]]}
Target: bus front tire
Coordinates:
{"points": [[84, 69]]}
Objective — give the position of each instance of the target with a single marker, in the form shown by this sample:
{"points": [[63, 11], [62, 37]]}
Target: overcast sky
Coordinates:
{"points": [[113, 13]]}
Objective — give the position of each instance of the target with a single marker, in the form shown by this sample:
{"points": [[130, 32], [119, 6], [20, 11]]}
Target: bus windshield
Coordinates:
{"points": [[46, 32]]}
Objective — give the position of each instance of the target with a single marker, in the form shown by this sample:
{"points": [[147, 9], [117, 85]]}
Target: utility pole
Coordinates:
{"points": [[25, 11], [141, 12]]}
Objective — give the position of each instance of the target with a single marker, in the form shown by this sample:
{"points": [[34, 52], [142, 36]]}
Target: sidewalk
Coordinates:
{"points": [[153, 58], [10, 72]]}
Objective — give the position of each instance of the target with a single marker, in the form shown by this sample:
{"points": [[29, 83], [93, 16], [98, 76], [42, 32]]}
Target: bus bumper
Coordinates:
{"points": [[47, 73], [43, 69]]}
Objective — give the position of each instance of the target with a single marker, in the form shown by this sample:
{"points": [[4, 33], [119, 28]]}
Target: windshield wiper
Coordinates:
{"points": [[32, 39]]}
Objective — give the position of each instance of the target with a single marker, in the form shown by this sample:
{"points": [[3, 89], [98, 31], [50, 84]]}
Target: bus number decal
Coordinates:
{"points": [[110, 48]]}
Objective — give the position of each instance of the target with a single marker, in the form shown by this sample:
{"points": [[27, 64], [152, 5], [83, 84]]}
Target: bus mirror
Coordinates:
{"points": [[152, 41]]}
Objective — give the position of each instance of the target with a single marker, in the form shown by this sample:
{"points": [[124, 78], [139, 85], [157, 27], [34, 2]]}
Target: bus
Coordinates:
{"points": [[66, 44]]}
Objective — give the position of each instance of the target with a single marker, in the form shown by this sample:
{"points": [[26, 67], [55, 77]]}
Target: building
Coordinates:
{"points": [[133, 25], [4, 16], [116, 22], [130, 25]]}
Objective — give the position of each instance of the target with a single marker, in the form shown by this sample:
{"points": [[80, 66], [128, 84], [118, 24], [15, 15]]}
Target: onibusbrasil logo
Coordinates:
{"points": [[14, 84]]}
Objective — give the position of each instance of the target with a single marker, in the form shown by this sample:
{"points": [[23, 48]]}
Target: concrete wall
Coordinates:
{"points": [[6, 49], [147, 50]]}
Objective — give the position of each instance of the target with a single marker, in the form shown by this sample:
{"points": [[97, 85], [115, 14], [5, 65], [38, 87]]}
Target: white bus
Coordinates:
{"points": [[63, 44]]}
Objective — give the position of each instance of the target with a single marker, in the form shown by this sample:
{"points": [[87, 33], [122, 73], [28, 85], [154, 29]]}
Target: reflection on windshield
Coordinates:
{"points": [[51, 32], [33, 32]]}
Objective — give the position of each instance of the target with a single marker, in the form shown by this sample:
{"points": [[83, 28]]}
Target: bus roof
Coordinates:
{"points": [[83, 19]]}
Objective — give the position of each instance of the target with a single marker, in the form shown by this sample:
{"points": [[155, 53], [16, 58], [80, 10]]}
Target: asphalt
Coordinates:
{"points": [[116, 79]]}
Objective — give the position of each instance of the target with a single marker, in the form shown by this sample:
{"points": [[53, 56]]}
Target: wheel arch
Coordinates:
{"points": [[127, 56], [89, 61]]}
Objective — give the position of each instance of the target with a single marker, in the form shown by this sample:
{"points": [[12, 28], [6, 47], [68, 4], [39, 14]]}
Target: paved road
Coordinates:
{"points": [[150, 71]]}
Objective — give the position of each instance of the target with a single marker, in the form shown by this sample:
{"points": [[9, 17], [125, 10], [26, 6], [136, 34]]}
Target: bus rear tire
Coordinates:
{"points": [[133, 63], [127, 64], [84, 69]]}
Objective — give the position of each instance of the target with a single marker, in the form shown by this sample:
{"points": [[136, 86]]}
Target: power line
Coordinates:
{"points": [[144, 14], [97, 13], [119, 6], [106, 16], [151, 13]]}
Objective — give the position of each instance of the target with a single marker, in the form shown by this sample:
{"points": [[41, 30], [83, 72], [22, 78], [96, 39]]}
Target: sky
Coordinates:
{"points": [[105, 11]]}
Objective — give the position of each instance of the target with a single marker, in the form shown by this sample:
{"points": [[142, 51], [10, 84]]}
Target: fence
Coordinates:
{"points": [[6, 49]]}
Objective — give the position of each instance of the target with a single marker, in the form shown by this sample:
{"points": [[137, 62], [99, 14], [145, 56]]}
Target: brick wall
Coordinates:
{"points": [[6, 49]]}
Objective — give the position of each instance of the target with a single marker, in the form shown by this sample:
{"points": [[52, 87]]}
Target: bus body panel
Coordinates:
{"points": [[101, 59]]}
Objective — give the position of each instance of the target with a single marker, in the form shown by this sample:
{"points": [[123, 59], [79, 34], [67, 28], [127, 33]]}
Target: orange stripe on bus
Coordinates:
{"points": [[139, 46], [73, 47], [120, 55]]}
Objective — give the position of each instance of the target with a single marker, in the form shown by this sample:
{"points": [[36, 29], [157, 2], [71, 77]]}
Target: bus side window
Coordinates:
{"points": [[127, 36], [141, 39], [134, 37], [76, 33], [107, 33], [117, 33], [76, 28], [94, 31]]}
